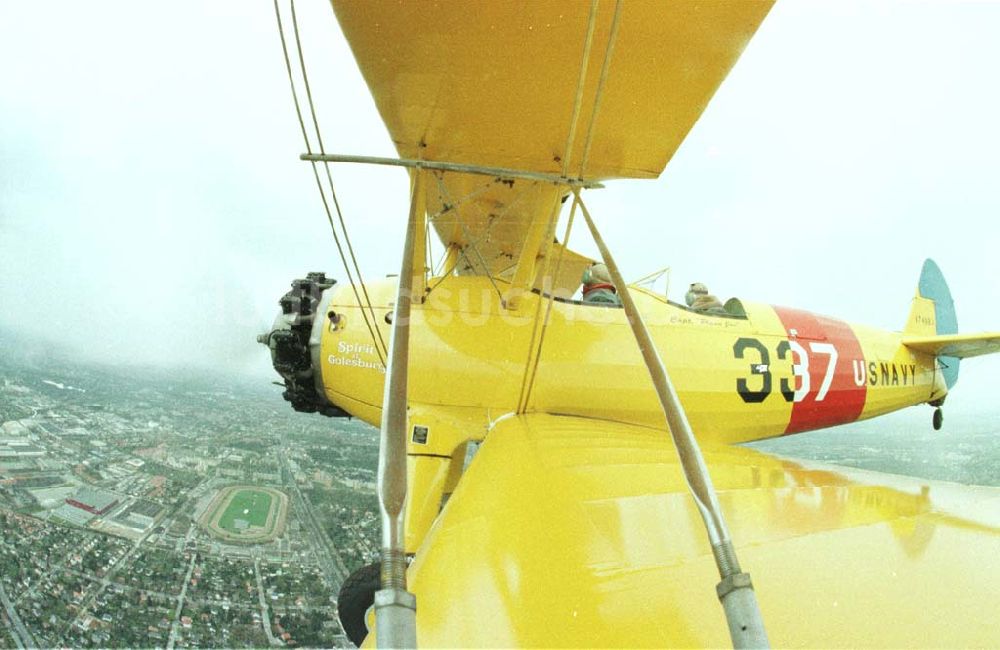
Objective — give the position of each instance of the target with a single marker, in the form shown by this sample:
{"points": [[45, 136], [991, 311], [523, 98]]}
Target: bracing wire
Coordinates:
{"points": [[433, 268], [522, 403], [470, 196], [612, 37], [548, 307], [468, 237], [329, 178], [588, 43], [372, 327], [482, 236], [428, 254]]}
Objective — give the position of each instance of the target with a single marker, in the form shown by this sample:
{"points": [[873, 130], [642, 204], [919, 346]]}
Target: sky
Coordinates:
{"points": [[153, 207]]}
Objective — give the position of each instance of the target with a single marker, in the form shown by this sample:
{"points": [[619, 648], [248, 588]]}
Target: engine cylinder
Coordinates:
{"points": [[292, 344]]}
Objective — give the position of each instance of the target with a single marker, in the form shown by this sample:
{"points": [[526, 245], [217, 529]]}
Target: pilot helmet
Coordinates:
{"points": [[597, 273], [696, 289]]}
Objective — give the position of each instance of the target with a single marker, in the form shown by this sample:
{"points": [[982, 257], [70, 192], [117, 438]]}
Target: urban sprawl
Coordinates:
{"points": [[142, 509]]}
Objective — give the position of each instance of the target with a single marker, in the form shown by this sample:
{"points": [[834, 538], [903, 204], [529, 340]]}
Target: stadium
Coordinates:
{"points": [[246, 514]]}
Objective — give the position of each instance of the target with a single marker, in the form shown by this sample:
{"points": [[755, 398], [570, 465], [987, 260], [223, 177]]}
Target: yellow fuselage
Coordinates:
{"points": [[472, 361], [573, 526], [776, 371]]}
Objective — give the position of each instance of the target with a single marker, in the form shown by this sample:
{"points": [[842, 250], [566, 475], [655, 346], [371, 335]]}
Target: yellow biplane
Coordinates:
{"points": [[556, 472]]}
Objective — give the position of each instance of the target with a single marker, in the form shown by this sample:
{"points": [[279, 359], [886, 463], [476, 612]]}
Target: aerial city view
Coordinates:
{"points": [[172, 511], [564, 324], [157, 509]]}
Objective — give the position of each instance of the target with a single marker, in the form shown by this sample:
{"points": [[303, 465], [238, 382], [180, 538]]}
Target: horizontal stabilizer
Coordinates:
{"points": [[962, 346]]}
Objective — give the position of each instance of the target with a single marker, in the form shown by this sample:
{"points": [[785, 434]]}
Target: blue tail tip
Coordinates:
{"points": [[934, 287]]}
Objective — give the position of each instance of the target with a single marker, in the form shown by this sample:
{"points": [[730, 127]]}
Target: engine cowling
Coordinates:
{"points": [[294, 342]]}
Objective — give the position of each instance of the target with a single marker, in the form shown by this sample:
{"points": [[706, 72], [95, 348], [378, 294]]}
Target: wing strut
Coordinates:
{"points": [[735, 590], [395, 607]]}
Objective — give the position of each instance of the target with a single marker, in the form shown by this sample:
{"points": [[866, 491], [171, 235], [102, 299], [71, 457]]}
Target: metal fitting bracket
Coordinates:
{"points": [[400, 597], [731, 583]]}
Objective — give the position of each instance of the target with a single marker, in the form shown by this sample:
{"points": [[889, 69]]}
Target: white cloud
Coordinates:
{"points": [[151, 191]]}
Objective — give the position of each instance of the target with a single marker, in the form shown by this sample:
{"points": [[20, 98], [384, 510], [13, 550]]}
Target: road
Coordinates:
{"points": [[180, 603], [107, 580], [265, 615], [329, 560], [123, 560], [22, 637]]}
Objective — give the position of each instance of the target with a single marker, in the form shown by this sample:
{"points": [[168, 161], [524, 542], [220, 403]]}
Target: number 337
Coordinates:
{"points": [[800, 368]]}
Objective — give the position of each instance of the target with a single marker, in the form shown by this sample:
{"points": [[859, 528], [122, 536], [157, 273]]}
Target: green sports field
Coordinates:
{"points": [[249, 505]]}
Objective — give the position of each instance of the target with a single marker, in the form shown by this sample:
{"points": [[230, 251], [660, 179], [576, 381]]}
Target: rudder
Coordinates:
{"points": [[933, 313]]}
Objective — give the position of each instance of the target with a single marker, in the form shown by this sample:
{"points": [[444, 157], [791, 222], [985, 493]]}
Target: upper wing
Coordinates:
{"points": [[962, 346], [601, 90], [574, 532], [496, 83]]}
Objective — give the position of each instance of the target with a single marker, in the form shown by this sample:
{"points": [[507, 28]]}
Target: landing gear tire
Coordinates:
{"points": [[356, 596], [938, 419]]}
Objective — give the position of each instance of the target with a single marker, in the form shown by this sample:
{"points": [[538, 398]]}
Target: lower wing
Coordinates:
{"points": [[568, 531]]}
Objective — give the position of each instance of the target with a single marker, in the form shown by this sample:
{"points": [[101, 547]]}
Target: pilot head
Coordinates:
{"points": [[597, 274], [697, 289]]}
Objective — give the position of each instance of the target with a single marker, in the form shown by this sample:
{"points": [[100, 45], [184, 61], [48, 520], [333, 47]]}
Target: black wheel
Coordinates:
{"points": [[356, 595], [938, 419]]}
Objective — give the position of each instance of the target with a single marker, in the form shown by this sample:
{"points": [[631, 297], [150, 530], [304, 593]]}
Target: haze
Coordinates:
{"points": [[153, 208]]}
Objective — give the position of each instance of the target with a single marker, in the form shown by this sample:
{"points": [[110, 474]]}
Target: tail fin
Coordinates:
{"points": [[933, 313]]}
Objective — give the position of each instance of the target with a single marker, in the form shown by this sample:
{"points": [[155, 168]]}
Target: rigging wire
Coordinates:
{"points": [[612, 37], [482, 236], [445, 208], [461, 253], [588, 42], [535, 354], [551, 300], [428, 254], [465, 231], [448, 207], [288, 66], [474, 194], [439, 266], [372, 326], [522, 402], [319, 184]]}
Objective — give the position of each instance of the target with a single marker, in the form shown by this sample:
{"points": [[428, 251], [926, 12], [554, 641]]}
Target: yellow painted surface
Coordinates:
{"points": [[434, 466], [468, 354], [884, 353], [427, 476], [467, 368], [576, 529], [497, 86], [570, 532], [922, 319]]}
